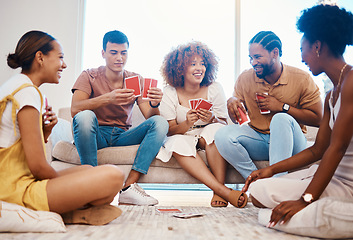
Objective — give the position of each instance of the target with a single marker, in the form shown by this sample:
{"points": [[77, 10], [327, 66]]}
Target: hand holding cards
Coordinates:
{"points": [[262, 111], [200, 104], [148, 83], [244, 116], [46, 108], [133, 83]]}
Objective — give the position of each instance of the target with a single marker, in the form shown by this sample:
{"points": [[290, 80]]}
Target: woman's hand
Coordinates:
{"points": [[205, 115], [255, 175], [49, 119], [285, 211], [191, 117]]}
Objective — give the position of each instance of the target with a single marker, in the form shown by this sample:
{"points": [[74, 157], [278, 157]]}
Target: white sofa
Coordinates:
{"points": [[62, 154]]}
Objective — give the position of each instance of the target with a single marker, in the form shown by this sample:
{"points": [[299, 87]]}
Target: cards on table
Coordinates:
{"points": [[187, 215], [148, 83], [200, 103], [168, 210], [133, 83]]}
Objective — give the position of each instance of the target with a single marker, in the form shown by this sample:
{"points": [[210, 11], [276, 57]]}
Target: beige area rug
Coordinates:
{"points": [[142, 222]]}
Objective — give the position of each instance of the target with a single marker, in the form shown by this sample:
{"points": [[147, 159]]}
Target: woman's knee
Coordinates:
{"points": [[112, 177]]}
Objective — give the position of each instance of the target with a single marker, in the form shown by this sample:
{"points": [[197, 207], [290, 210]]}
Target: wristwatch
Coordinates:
{"points": [[307, 197], [285, 108]]}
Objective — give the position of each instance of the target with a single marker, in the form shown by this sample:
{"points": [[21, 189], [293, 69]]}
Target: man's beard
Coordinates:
{"points": [[267, 69]]}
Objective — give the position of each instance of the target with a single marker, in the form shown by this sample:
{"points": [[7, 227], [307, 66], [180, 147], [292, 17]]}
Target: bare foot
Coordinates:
{"points": [[241, 200], [237, 198]]}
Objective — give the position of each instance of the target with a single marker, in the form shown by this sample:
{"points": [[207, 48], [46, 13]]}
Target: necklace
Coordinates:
{"points": [[338, 87], [340, 78]]}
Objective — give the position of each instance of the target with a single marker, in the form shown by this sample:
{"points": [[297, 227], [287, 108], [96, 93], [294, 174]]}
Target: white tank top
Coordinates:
{"points": [[344, 170]]}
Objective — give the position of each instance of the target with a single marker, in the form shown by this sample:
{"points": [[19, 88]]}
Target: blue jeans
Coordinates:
{"points": [[90, 137], [240, 145]]}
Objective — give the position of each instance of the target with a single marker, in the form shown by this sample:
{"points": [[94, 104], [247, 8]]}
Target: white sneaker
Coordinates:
{"points": [[135, 195]]}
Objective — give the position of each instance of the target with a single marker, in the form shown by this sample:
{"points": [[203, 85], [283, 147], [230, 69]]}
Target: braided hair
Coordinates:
{"points": [[269, 40]]}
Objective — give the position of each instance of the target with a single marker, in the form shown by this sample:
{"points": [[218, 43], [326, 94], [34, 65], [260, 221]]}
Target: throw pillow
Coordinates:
{"points": [[15, 218]]}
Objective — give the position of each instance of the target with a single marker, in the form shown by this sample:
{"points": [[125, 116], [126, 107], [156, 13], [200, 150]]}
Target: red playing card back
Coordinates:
{"points": [[204, 105], [154, 83], [133, 83], [148, 83], [192, 103], [146, 86]]}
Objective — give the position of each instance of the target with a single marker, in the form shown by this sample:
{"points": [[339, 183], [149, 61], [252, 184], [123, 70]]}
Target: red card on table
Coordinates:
{"points": [[168, 210], [148, 83], [133, 83], [204, 104]]}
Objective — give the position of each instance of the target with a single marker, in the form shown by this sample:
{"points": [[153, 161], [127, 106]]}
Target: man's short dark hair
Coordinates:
{"points": [[269, 40], [114, 37]]}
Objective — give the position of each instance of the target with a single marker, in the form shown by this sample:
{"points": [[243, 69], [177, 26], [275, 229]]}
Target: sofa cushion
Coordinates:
{"points": [[67, 152]]}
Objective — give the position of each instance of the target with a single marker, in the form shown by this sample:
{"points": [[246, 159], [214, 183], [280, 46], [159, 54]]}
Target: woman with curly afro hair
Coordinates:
{"points": [[327, 30], [190, 73]]}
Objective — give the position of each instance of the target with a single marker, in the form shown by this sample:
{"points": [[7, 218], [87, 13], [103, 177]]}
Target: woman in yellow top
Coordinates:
{"points": [[81, 194]]}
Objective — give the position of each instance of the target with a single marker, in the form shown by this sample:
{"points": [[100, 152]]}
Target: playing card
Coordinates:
{"points": [[146, 86], [197, 102], [204, 104], [148, 83], [154, 83], [187, 215], [192, 103], [133, 83], [168, 210]]}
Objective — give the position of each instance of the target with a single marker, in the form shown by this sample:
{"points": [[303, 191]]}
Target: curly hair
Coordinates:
{"points": [[329, 24], [176, 61]]}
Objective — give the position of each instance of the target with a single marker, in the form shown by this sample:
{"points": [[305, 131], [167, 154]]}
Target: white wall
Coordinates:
{"points": [[60, 18]]}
